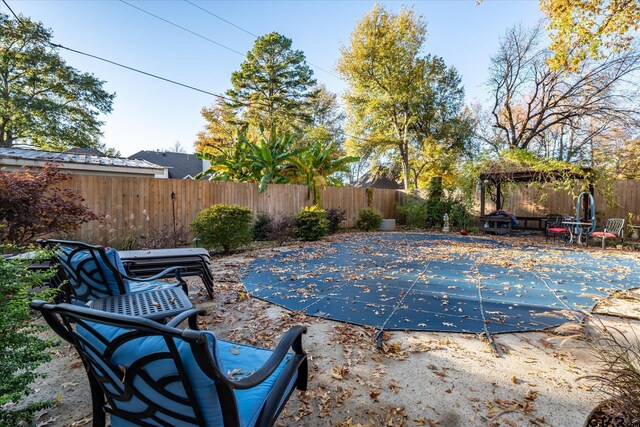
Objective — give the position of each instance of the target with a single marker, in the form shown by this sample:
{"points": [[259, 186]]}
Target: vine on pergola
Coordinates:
{"points": [[520, 166]]}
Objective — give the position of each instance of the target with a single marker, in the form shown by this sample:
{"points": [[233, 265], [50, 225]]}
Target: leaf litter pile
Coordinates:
{"points": [[410, 281]]}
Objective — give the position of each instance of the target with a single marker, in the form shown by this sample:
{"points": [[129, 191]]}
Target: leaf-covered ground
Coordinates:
{"points": [[418, 378]]}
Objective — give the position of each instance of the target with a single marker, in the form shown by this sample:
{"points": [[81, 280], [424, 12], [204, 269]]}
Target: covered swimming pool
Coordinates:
{"points": [[416, 281]]}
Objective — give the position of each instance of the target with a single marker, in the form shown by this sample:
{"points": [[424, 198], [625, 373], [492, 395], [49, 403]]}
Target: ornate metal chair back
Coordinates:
{"points": [[142, 372], [92, 272]]}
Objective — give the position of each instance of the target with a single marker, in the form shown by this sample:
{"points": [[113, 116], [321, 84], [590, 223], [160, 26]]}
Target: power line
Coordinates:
{"points": [[122, 65], [12, 12], [182, 28], [155, 76], [221, 18], [140, 71], [254, 35]]}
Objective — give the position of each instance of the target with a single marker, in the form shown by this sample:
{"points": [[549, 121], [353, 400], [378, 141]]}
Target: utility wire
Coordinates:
{"points": [[140, 71], [183, 28], [221, 18], [253, 35], [12, 12], [122, 65], [151, 74]]}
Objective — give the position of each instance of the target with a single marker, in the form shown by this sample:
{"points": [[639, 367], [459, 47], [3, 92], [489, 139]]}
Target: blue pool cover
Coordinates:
{"points": [[414, 281]]}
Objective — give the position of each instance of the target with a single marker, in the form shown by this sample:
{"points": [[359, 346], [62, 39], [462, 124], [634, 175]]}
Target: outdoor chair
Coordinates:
{"points": [[614, 229], [555, 227], [94, 272], [145, 373]]}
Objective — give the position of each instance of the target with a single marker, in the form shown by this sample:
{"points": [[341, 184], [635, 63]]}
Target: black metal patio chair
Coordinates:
{"points": [[94, 272], [148, 374], [555, 227]]}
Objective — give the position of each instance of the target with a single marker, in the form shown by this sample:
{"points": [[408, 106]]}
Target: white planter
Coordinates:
{"points": [[388, 225]]}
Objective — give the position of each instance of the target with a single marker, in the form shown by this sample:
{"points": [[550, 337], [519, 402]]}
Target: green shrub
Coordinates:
{"points": [[368, 220], [335, 217], [429, 213], [311, 223], [414, 213], [459, 215], [22, 351], [226, 227], [262, 226]]}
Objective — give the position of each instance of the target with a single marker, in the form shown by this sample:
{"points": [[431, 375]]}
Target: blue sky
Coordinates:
{"points": [[150, 114]]}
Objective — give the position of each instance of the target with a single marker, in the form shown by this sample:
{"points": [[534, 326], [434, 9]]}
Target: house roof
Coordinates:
{"points": [[369, 180], [181, 165], [89, 151], [54, 156]]}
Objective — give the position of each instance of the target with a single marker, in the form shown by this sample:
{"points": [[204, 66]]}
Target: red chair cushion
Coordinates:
{"points": [[558, 230], [603, 234]]}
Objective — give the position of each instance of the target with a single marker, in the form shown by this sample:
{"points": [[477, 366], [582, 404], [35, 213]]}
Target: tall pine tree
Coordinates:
{"points": [[274, 86]]}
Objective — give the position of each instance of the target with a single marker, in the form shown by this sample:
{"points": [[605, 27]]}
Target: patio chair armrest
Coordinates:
{"points": [[292, 339], [51, 319], [176, 270], [191, 314]]}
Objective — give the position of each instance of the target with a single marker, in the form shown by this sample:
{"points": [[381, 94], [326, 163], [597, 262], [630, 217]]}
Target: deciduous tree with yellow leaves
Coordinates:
{"points": [[585, 28]]}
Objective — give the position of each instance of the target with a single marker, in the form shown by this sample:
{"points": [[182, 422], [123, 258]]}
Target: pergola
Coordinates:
{"points": [[499, 172]]}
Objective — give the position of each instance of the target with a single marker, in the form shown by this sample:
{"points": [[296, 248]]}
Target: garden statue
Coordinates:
{"points": [[445, 228]]}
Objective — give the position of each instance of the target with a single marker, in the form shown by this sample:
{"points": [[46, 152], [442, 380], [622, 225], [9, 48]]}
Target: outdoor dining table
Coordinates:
{"points": [[194, 262], [574, 228], [156, 304]]}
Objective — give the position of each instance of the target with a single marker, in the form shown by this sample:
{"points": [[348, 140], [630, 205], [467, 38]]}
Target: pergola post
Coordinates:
{"points": [[482, 197], [498, 197]]}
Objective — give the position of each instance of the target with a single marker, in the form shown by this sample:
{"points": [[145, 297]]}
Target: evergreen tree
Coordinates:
{"points": [[273, 87]]}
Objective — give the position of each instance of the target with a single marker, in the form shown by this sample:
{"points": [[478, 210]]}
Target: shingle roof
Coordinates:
{"points": [[180, 165], [384, 182], [53, 156]]}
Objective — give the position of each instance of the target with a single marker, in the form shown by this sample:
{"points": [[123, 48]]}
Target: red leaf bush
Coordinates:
{"points": [[31, 205]]}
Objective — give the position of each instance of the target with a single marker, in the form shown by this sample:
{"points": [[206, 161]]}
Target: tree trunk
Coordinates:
{"points": [[6, 136], [405, 168]]}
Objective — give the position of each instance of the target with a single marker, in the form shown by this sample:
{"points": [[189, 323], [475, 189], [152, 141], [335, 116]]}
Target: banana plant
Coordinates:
{"points": [[317, 166], [230, 164], [272, 159]]}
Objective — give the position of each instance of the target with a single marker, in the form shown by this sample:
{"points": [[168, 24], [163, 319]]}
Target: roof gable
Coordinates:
{"points": [[182, 165]]}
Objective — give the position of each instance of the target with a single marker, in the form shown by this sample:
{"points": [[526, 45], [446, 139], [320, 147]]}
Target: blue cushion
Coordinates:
{"points": [[84, 271], [231, 359], [244, 360]]}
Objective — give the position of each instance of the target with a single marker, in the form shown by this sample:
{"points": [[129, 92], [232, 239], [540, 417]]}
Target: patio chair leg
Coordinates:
{"points": [[301, 383], [603, 242], [97, 400]]}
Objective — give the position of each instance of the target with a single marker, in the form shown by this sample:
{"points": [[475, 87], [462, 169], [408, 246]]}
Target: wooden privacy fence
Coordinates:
{"points": [[136, 205], [130, 206]]}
